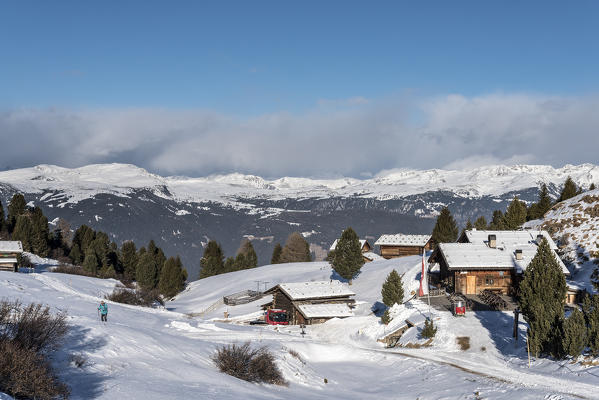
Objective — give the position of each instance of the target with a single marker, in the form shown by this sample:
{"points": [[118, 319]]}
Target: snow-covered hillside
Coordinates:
{"points": [[574, 224], [86, 182], [165, 354]]}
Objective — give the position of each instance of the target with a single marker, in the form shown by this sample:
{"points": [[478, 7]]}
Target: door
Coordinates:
{"points": [[470, 284]]}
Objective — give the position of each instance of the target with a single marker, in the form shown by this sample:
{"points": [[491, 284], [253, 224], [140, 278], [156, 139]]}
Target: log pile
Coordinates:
{"points": [[493, 300]]}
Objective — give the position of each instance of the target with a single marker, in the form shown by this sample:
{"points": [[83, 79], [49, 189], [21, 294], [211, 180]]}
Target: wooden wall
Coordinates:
{"points": [[475, 281], [400, 251]]}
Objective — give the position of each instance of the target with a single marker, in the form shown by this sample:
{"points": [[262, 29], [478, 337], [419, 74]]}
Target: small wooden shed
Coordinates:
{"points": [[400, 245], [9, 251], [364, 245], [312, 302]]}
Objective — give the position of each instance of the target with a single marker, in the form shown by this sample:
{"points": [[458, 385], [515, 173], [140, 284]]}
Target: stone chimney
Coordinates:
{"points": [[518, 254], [539, 238], [493, 241]]}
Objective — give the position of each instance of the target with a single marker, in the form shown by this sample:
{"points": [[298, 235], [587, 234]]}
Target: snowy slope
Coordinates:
{"points": [[120, 179], [574, 224], [163, 354]]}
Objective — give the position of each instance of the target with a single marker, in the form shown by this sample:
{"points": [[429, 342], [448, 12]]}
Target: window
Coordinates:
{"points": [[489, 281]]}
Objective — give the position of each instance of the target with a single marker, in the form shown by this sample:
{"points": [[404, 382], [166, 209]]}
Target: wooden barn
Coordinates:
{"points": [[9, 251], [312, 302], [400, 245], [496, 262]]}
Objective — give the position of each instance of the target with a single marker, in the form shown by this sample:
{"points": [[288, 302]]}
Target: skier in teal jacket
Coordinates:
{"points": [[103, 311]]}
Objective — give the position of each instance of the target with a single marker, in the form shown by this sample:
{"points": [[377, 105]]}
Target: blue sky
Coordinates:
{"points": [[244, 62], [246, 57]]}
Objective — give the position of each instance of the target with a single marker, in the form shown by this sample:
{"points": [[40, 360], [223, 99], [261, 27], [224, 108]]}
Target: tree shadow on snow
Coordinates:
{"points": [[336, 277], [500, 326], [74, 367]]}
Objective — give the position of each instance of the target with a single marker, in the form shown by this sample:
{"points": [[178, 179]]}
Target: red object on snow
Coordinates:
{"points": [[276, 317], [459, 308]]}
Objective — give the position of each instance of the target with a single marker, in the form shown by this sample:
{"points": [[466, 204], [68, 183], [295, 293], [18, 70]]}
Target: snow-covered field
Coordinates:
{"points": [[148, 354]]}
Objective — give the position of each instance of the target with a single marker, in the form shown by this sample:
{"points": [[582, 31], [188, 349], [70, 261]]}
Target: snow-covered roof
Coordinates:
{"points": [[8, 260], [313, 290], [339, 310], [372, 256], [480, 256], [10, 246], [334, 245], [509, 238], [403, 240]]}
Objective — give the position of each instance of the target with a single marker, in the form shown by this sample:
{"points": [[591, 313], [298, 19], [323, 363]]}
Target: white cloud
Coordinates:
{"points": [[353, 137]]}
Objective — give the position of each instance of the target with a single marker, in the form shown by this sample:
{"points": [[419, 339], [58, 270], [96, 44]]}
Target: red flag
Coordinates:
{"points": [[423, 282]]}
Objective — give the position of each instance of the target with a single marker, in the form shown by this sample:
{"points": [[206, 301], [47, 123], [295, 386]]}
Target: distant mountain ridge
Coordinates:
{"points": [[183, 213]]}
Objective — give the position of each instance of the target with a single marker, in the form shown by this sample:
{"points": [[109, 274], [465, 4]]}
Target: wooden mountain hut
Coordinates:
{"points": [[9, 251], [312, 302], [400, 245], [496, 263]]}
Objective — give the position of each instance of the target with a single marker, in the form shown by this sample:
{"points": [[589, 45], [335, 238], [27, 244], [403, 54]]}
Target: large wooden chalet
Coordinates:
{"points": [[494, 260], [9, 251], [400, 245], [312, 302]]}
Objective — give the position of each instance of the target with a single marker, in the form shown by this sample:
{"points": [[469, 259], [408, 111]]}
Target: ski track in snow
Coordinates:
{"points": [[139, 346]]}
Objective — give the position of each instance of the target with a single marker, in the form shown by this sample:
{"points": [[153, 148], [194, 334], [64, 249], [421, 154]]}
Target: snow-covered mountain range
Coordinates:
{"points": [[183, 213], [233, 189]]}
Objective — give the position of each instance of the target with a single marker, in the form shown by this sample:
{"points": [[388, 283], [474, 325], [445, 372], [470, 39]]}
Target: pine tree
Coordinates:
{"points": [[159, 256], [129, 259], [590, 307], [429, 331], [82, 238], [212, 261], [249, 258], [147, 271], [446, 229], [91, 263], [296, 249], [229, 265], [276, 254], [592, 187], [76, 255], [515, 215], [2, 218], [348, 255], [544, 203], [468, 227], [386, 317], [40, 233], [569, 190], [392, 290], [107, 271], [480, 223], [542, 297], [23, 231], [574, 339], [17, 206], [498, 222], [172, 278]]}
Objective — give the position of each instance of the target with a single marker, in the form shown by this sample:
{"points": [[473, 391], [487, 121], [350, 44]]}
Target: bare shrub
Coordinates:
{"points": [[463, 342], [252, 365], [72, 269], [138, 297], [26, 374], [78, 360], [295, 354], [32, 327], [27, 335]]}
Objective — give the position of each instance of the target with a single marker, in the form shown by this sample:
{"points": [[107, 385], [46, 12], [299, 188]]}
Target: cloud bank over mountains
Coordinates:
{"points": [[337, 138]]}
